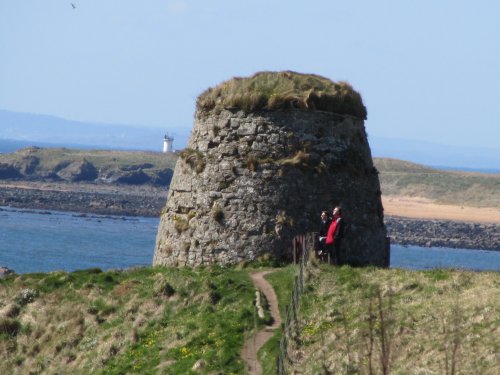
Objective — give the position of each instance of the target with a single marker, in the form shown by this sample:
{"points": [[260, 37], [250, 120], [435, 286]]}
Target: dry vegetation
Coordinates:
{"points": [[169, 321], [146, 321], [57, 158], [374, 321], [400, 178], [194, 158], [283, 91]]}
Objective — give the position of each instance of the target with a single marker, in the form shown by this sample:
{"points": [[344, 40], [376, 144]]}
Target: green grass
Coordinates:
{"points": [[166, 320], [147, 321], [268, 354], [459, 188], [282, 280], [283, 91], [423, 317]]}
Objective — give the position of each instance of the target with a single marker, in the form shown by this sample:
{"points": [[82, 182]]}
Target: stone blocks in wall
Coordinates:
{"points": [[248, 182]]}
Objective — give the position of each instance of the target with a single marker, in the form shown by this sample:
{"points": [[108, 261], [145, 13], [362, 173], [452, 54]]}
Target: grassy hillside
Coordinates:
{"points": [[403, 178], [169, 321], [50, 158], [145, 321], [75, 165], [407, 322]]}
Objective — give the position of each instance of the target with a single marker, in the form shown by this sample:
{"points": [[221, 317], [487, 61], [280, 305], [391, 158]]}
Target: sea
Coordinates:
{"points": [[44, 241], [34, 241]]}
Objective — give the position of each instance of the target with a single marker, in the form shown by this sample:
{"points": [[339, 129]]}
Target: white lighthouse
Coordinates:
{"points": [[168, 144]]}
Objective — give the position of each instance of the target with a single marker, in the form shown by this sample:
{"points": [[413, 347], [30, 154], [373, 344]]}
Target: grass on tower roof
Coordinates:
{"points": [[281, 91]]}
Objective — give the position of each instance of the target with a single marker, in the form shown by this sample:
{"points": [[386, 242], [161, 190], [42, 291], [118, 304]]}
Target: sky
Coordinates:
{"points": [[427, 70]]}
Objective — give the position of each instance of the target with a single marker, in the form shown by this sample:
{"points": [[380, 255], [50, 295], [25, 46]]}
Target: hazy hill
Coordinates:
{"points": [[403, 178], [437, 154], [35, 128]]}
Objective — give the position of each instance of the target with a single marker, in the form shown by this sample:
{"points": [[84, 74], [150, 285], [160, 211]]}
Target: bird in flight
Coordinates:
{"points": [[73, 6]]}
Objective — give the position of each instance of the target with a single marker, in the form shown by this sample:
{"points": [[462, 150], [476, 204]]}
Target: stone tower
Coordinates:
{"points": [[267, 153]]}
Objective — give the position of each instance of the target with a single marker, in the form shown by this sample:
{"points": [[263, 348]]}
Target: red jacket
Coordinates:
{"points": [[334, 226]]}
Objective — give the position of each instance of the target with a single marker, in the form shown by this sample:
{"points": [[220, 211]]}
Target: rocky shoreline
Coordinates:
{"points": [[123, 200], [443, 233]]}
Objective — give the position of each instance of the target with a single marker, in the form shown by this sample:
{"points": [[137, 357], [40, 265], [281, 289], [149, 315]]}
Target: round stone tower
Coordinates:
{"points": [[267, 153]]}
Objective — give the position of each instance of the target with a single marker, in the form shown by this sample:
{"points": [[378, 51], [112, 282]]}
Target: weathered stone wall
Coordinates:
{"points": [[248, 182]]}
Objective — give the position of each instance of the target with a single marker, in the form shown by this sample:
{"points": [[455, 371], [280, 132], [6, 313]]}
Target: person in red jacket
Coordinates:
{"points": [[334, 235]]}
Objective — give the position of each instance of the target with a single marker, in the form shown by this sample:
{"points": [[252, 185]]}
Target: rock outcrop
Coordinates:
{"points": [[99, 166], [78, 171], [4, 272], [8, 171], [251, 179]]}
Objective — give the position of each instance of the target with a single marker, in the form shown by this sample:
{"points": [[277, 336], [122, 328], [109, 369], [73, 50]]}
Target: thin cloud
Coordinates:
{"points": [[178, 6]]}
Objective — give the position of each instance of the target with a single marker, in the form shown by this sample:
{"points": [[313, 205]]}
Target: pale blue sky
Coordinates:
{"points": [[427, 69]]}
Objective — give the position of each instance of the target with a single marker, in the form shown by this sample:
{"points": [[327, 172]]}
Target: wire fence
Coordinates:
{"points": [[301, 249]]}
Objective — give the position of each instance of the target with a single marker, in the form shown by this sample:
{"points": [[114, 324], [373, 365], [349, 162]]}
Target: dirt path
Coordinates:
{"points": [[257, 340]]}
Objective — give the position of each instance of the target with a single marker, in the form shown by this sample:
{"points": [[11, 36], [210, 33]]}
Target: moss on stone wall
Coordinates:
{"points": [[283, 91]]}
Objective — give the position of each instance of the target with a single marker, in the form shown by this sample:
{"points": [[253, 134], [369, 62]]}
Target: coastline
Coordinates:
{"points": [[421, 222], [121, 200], [425, 209], [442, 233]]}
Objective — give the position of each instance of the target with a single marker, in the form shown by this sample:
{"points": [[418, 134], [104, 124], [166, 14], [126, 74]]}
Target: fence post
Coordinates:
{"points": [[303, 243], [296, 295], [279, 364], [302, 276], [387, 258]]}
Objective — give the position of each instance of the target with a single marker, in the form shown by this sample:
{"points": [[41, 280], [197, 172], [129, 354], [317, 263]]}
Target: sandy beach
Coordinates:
{"points": [[422, 208]]}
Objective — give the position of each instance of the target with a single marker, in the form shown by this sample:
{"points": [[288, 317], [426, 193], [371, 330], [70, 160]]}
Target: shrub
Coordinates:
{"points": [[10, 311], [194, 159], [217, 213], [180, 224], [283, 219], [252, 163], [283, 91], [214, 296], [163, 288], [10, 327], [26, 296], [300, 159]]}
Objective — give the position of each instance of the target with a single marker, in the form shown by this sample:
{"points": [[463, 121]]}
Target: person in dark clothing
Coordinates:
{"points": [[323, 231], [334, 235]]}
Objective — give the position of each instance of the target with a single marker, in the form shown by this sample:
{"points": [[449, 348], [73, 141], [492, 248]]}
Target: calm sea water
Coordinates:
{"points": [[423, 258], [44, 241]]}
